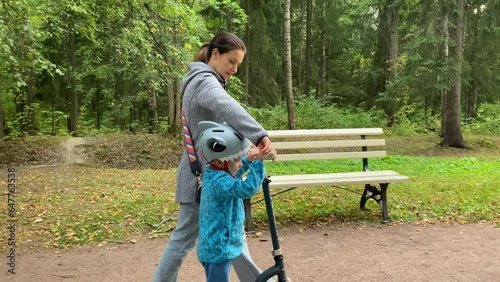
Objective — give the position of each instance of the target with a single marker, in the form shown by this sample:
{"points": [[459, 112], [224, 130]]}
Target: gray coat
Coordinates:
{"points": [[204, 98]]}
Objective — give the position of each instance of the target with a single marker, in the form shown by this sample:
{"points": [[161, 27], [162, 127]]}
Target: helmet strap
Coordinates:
{"points": [[225, 166]]}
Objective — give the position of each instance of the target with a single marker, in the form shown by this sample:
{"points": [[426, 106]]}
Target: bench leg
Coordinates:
{"points": [[383, 203], [380, 196], [248, 215]]}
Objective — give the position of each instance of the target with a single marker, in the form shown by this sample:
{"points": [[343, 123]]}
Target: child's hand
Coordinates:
{"points": [[254, 153]]}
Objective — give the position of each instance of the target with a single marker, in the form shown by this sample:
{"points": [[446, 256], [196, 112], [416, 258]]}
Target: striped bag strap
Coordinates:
{"points": [[194, 164], [188, 140]]}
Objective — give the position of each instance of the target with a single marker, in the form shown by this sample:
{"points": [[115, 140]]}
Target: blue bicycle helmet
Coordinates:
{"points": [[220, 141]]}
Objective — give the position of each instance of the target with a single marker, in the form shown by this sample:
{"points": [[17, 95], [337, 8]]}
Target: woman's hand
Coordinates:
{"points": [[265, 146]]}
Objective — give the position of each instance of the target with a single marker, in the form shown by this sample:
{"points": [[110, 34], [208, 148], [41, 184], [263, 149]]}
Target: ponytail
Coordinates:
{"points": [[202, 55], [224, 42]]}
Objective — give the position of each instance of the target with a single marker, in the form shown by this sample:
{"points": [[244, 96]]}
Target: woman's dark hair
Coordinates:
{"points": [[224, 42]]}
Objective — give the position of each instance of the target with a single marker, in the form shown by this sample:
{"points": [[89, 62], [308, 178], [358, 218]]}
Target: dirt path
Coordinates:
{"points": [[440, 252], [69, 150]]}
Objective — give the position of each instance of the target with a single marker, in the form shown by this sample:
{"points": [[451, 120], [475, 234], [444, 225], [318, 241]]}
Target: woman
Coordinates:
{"points": [[205, 98]]}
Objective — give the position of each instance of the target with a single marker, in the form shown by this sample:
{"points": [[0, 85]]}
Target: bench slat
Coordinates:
{"points": [[336, 179], [324, 132], [333, 175], [328, 156], [328, 144]]}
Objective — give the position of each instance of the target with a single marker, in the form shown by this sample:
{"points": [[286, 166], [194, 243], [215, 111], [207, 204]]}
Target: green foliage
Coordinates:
{"points": [[224, 15], [262, 69], [412, 120], [310, 114], [51, 122], [10, 113], [487, 121], [116, 56], [236, 89]]}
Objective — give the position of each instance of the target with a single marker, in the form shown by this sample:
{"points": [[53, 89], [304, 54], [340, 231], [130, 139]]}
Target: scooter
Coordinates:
{"points": [[279, 267]]}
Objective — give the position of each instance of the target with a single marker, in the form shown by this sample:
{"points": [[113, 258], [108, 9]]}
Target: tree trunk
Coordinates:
{"points": [[303, 19], [247, 63], [308, 48], [474, 103], [171, 107], [443, 113], [29, 109], [178, 106], [154, 109], [73, 97], [443, 92], [132, 116], [452, 131], [470, 101], [98, 103], [391, 14], [288, 66], [377, 84], [323, 53], [3, 129], [393, 23]]}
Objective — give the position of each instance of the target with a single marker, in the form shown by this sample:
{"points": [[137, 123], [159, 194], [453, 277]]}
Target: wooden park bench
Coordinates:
{"points": [[333, 144]]}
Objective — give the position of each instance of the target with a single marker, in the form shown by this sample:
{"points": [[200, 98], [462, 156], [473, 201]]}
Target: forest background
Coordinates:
{"points": [[93, 67], [429, 68]]}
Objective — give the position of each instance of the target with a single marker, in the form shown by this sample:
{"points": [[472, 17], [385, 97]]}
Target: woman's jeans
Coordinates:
{"points": [[183, 240]]}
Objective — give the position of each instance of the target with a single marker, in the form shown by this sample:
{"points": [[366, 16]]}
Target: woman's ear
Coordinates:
{"points": [[215, 53]]}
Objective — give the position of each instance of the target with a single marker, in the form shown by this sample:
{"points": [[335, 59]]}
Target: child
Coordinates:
{"points": [[221, 234]]}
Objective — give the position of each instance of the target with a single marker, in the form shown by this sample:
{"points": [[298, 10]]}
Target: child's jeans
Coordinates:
{"points": [[217, 272], [183, 240]]}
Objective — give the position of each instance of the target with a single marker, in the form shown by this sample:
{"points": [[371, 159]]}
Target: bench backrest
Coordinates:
{"points": [[320, 144]]}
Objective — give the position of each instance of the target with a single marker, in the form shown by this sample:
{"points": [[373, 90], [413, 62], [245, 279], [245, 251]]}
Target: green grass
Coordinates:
{"points": [[72, 205], [67, 205], [441, 189]]}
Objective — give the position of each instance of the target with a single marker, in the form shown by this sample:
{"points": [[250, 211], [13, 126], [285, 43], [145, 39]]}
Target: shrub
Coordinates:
{"points": [[486, 122], [311, 114]]}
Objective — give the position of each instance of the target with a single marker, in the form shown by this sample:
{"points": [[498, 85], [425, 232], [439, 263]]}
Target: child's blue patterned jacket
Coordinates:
{"points": [[222, 213]]}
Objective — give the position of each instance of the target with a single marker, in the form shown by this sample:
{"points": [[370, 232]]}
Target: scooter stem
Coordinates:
{"points": [[279, 266]]}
